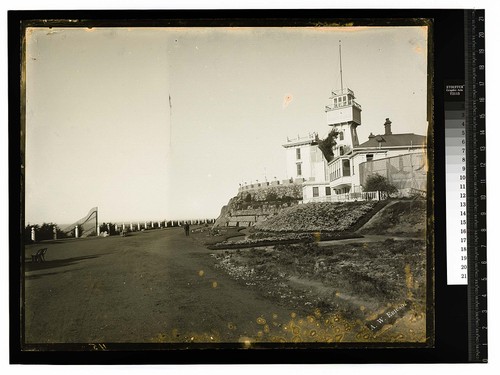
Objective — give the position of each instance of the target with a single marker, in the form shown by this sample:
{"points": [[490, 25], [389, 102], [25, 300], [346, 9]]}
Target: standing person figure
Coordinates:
{"points": [[186, 229]]}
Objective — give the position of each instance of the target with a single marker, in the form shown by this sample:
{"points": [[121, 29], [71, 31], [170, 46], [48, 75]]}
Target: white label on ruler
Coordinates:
{"points": [[456, 210]]}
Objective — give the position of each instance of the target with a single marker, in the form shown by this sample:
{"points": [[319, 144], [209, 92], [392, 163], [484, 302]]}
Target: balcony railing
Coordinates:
{"points": [[340, 180], [310, 136], [343, 105], [345, 91]]}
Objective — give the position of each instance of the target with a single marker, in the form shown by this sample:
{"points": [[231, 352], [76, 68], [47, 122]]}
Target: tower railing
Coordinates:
{"points": [[347, 104], [345, 91]]}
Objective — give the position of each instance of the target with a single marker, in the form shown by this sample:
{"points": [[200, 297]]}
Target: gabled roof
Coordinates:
{"points": [[394, 140]]}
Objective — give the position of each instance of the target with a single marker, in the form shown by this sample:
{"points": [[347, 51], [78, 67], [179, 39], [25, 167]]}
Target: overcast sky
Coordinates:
{"points": [[157, 123]]}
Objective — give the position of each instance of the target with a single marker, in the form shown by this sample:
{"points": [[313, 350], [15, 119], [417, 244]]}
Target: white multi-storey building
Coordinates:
{"points": [[304, 159], [339, 178]]}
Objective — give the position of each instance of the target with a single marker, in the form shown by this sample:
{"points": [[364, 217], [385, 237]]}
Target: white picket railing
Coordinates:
{"points": [[350, 197]]}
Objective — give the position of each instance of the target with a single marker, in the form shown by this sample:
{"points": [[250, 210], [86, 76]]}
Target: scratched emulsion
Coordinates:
{"points": [[315, 328]]}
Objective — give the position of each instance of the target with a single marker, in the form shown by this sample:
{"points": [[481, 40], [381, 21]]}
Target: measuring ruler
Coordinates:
{"points": [[476, 184], [464, 109]]}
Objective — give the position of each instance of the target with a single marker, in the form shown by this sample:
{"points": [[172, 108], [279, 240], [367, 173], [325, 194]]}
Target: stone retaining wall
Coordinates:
{"points": [[254, 205]]}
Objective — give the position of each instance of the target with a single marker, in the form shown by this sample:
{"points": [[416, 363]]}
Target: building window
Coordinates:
{"points": [[346, 167], [328, 190], [341, 136], [297, 153], [299, 169], [341, 150], [315, 191], [369, 157]]}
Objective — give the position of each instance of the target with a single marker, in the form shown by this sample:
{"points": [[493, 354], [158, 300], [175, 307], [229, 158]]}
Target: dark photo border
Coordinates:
{"points": [[447, 318]]}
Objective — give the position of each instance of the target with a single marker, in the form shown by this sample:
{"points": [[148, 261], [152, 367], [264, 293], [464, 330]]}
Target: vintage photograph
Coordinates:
{"points": [[226, 185]]}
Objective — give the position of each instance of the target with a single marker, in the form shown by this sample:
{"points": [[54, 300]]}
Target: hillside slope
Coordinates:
{"points": [[402, 218], [325, 216]]}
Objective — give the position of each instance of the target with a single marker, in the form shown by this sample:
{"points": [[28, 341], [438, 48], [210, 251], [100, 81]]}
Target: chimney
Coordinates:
{"points": [[371, 136], [387, 126]]}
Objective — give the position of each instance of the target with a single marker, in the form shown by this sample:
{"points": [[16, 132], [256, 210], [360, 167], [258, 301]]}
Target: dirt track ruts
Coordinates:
{"points": [[154, 286]]}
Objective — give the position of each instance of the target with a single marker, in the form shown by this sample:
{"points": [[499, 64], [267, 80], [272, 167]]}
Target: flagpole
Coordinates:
{"points": [[340, 54]]}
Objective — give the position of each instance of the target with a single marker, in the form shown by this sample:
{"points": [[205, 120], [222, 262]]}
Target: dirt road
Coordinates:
{"points": [[154, 286]]}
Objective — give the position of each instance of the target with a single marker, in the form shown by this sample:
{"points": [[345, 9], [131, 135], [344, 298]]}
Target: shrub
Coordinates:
{"points": [[377, 182], [43, 232], [104, 228], [271, 196]]}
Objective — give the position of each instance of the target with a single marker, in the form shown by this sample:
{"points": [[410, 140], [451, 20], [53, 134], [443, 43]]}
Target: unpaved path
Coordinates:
{"points": [[366, 239], [154, 286]]}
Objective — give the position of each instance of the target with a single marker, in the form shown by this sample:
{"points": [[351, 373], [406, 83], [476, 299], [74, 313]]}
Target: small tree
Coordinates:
{"points": [[377, 182], [45, 232], [326, 145], [60, 234]]}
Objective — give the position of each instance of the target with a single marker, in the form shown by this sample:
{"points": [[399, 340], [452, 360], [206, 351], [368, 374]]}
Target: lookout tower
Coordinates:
{"points": [[344, 114]]}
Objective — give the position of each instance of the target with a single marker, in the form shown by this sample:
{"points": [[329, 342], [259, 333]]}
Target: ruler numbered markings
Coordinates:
{"points": [[456, 184], [476, 186]]}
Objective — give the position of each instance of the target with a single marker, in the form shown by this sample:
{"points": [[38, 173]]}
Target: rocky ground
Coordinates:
{"points": [[355, 279], [358, 280]]}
